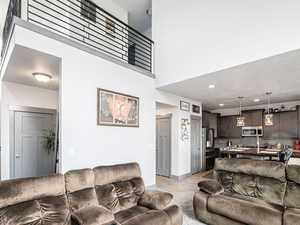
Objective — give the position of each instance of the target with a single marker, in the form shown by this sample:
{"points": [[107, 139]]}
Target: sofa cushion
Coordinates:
{"points": [[154, 199], [175, 214], [93, 215], [80, 189], [120, 195], [210, 186], [46, 211], [153, 217], [291, 216], [39, 200], [271, 169], [128, 214], [292, 197], [245, 209]]}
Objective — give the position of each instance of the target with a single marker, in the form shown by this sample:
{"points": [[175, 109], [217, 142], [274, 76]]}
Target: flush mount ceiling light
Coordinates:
{"points": [[211, 86], [257, 100], [240, 120], [221, 104], [269, 116], [42, 77]]}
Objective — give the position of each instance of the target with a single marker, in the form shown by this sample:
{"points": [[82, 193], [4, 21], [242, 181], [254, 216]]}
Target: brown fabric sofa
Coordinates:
{"points": [[101, 196], [249, 192]]}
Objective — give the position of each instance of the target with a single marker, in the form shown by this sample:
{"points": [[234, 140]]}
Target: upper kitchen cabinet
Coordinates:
{"points": [[253, 118], [288, 124], [285, 125], [205, 119], [272, 131], [228, 128], [210, 120]]}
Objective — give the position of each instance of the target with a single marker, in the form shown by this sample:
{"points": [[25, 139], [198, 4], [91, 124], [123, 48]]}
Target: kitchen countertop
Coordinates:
{"points": [[254, 151]]}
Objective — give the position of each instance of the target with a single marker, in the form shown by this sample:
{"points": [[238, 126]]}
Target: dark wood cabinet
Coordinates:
{"points": [[210, 120], [228, 128], [272, 131], [205, 119], [285, 126], [288, 125], [253, 118]]}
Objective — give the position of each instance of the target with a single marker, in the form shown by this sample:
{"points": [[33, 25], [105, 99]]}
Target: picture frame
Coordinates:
{"points": [[196, 109], [117, 109], [185, 106]]}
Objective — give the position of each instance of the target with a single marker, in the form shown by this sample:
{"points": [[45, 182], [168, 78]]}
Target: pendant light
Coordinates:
{"points": [[240, 121], [268, 116]]}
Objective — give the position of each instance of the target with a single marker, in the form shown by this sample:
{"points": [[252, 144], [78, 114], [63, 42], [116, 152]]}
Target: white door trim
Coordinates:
{"points": [[12, 110]]}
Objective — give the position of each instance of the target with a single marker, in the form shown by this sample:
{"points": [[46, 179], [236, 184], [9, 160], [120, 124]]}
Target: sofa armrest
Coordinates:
{"points": [[155, 199], [92, 215], [211, 187]]}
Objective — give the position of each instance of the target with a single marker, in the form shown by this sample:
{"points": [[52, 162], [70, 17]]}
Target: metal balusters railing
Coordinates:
{"points": [[85, 22]]}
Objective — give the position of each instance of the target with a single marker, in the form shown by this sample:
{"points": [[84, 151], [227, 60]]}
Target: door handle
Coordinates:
{"points": [[18, 156]]}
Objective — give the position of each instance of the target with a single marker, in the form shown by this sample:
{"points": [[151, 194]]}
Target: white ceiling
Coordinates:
{"points": [[279, 74], [137, 17], [25, 61]]}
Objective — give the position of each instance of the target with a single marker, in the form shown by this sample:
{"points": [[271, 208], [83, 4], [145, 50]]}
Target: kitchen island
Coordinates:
{"points": [[271, 154]]}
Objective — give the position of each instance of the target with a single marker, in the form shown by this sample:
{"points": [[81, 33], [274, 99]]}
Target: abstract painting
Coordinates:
{"points": [[117, 109]]}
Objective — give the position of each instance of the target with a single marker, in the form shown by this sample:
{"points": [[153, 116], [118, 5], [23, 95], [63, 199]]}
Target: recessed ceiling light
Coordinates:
{"points": [[42, 77], [221, 104], [257, 100], [211, 86]]}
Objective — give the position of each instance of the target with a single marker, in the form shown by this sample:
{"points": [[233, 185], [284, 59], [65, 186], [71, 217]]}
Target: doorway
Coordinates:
{"points": [[163, 145], [196, 156], [30, 131]]}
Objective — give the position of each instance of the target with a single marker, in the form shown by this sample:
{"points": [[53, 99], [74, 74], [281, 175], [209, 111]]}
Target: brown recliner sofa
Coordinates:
{"points": [[249, 192], [104, 195]]}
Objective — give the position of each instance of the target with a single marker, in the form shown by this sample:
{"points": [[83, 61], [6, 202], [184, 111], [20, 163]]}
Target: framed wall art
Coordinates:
{"points": [[185, 106], [117, 109], [196, 109]]}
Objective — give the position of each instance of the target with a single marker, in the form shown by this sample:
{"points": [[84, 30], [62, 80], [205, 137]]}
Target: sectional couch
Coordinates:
{"points": [[249, 192], [104, 195]]}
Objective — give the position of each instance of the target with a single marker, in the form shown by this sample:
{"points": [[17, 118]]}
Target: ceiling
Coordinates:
{"points": [[137, 17], [25, 61], [278, 74]]}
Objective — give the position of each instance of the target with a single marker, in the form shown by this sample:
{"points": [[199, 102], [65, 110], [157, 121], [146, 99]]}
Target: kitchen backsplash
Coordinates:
{"points": [[251, 141]]}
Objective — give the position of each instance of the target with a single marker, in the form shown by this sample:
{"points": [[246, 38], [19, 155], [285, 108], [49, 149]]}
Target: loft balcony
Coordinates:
{"points": [[86, 23]]}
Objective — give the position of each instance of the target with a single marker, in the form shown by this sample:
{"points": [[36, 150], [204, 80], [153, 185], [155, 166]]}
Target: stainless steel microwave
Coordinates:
{"points": [[252, 131]]}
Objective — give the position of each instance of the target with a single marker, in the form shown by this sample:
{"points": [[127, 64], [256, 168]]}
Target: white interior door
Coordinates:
{"points": [[195, 145], [30, 157]]}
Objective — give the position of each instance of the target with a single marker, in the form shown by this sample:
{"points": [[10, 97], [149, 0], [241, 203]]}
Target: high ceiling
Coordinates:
{"points": [[278, 74], [138, 18]]}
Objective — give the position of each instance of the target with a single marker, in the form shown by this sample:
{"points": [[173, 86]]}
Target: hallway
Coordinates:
{"points": [[183, 192]]}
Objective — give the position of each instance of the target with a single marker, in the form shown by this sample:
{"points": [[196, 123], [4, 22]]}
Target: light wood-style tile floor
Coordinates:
{"points": [[183, 192]]}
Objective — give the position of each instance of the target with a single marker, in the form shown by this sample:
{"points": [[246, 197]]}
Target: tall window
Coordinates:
{"points": [[88, 10]]}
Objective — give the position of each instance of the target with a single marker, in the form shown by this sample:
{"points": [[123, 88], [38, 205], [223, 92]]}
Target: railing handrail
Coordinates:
{"points": [[120, 21]]}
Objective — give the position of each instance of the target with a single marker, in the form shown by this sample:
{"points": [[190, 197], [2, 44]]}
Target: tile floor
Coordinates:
{"points": [[183, 192]]}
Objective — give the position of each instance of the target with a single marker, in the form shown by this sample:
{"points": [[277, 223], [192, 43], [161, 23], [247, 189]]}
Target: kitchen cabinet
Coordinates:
{"points": [[272, 131], [253, 118], [213, 123], [228, 128], [285, 126], [288, 125]]}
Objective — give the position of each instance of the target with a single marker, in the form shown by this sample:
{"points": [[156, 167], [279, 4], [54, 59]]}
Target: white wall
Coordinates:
{"points": [[197, 37], [148, 33], [235, 111], [181, 150], [13, 94], [83, 143]]}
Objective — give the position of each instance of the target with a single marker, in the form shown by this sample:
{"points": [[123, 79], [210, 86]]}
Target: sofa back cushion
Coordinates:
{"points": [[264, 180], [40, 200], [80, 189], [292, 197], [119, 187]]}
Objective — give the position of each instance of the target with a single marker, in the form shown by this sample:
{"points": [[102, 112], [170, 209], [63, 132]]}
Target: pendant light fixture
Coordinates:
{"points": [[240, 121], [269, 116]]}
